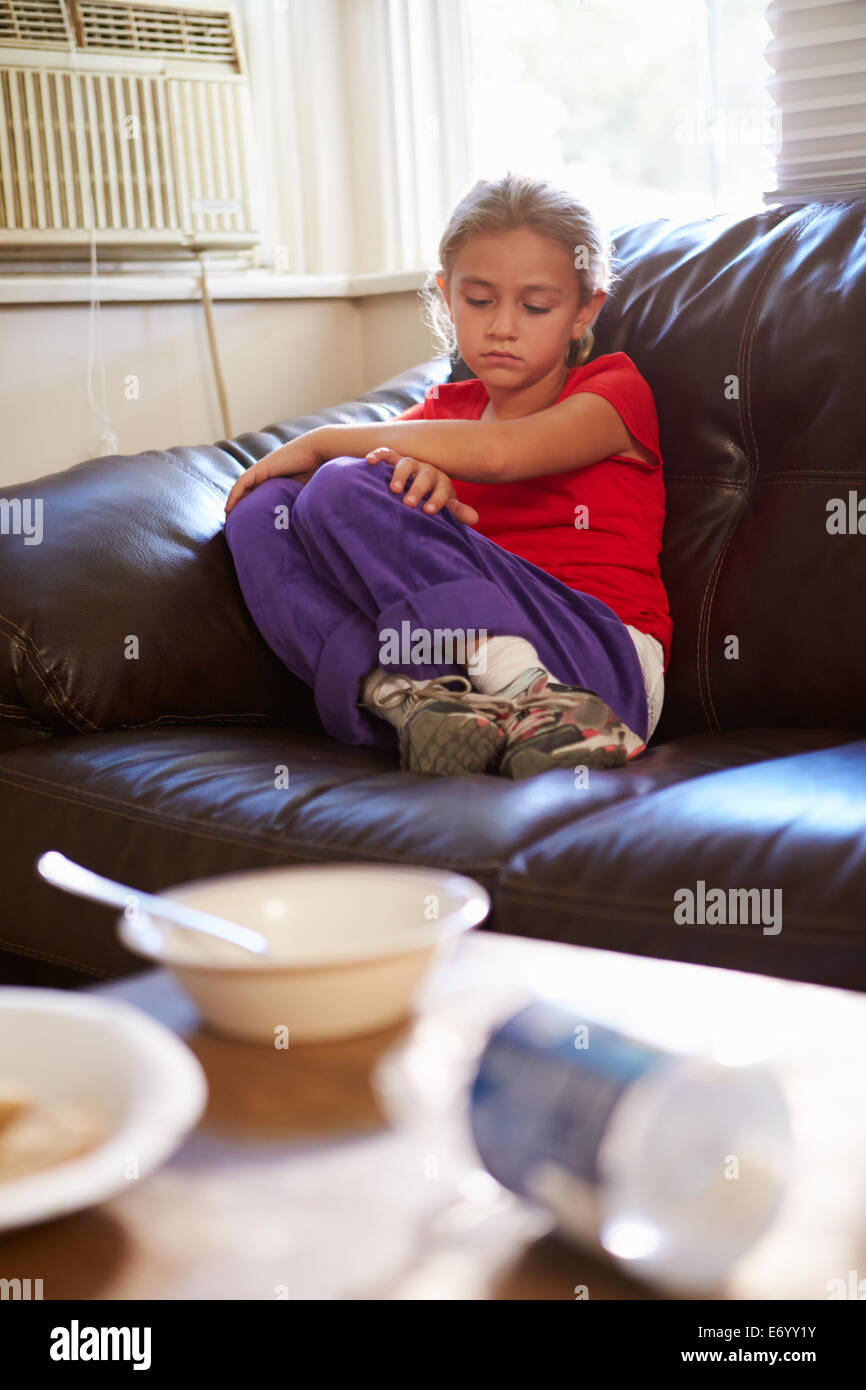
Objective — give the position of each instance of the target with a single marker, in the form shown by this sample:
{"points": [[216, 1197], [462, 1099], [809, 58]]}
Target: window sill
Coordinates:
{"points": [[75, 287]]}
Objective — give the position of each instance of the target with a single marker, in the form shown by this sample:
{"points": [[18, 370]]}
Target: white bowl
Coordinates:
{"points": [[78, 1049], [351, 945]]}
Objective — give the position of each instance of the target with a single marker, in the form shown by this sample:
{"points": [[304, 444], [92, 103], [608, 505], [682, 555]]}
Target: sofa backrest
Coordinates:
{"points": [[752, 334]]}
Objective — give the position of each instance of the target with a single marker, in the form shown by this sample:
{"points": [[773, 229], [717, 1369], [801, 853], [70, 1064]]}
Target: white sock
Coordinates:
{"points": [[381, 682], [504, 660]]}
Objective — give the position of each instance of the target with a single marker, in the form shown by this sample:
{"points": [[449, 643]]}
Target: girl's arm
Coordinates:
{"points": [[465, 449], [468, 440], [574, 433]]}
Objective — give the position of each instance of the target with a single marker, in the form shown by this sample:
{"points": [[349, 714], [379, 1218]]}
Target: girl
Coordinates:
{"points": [[538, 543]]}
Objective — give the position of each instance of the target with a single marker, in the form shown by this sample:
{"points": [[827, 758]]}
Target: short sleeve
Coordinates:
{"points": [[629, 393]]}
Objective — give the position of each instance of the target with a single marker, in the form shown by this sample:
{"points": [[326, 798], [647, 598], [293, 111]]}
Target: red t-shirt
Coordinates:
{"points": [[613, 551]]}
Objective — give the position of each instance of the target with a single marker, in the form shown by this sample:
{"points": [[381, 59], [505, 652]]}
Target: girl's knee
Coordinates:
{"points": [[262, 507], [334, 488]]}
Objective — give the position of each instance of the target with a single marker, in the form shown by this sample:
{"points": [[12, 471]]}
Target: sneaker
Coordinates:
{"points": [[564, 726], [448, 729]]}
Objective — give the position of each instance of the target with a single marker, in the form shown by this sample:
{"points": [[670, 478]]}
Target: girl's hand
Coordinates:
{"points": [[298, 459], [427, 479]]}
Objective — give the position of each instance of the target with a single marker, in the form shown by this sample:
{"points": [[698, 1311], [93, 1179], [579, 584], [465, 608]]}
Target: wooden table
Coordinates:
{"points": [[308, 1179]]}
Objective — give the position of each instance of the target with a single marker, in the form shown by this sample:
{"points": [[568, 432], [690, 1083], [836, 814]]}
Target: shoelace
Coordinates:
{"points": [[442, 688], [543, 705], [550, 699]]}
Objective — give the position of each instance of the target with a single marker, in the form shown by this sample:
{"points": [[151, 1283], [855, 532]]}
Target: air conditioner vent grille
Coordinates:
{"points": [[39, 23], [170, 32], [115, 26], [150, 158], [139, 134]]}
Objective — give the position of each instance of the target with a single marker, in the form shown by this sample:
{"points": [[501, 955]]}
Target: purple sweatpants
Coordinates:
{"points": [[326, 566]]}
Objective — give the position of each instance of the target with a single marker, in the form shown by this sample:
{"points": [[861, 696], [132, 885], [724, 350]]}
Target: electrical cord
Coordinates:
{"points": [[214, 353], [107, 442]]}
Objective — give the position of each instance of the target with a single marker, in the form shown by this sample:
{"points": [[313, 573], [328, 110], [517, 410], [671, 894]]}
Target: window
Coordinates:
{"points": [[642, 110], [818, 57]]}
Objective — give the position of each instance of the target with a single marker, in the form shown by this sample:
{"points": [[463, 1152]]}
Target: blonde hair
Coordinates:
{"points": [[502, 205]]}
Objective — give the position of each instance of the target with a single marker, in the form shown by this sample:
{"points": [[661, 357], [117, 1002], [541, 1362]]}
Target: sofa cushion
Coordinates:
{"points": [[126, 612], [163, 805], [794, 827]]}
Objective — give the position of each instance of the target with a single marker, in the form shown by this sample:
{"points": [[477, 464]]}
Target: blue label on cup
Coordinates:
{"points": [[546, 1085]]}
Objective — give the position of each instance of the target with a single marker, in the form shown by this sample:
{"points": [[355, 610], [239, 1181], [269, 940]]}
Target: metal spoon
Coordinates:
{"points": [[64, 873]]}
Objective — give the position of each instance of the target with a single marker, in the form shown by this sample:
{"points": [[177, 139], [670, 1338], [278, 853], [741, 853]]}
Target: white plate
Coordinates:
{"points": [[74, 1048]]}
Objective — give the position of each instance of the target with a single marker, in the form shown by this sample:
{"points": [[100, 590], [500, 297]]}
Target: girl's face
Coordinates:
{"points": [[516, 293]]}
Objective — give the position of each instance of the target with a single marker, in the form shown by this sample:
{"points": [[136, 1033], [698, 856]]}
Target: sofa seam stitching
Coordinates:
{"points": [[101, 802], [31, 655], [33, 951], [751, 321]]}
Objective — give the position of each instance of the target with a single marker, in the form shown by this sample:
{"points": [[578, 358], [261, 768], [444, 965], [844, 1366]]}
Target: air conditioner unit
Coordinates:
{"points": [[130, 118]]}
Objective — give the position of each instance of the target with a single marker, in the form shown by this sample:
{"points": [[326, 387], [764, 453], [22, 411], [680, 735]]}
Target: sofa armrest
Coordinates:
{"points": [[123, 609]]}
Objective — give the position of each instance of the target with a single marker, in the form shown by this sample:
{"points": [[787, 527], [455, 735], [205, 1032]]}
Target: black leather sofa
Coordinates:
{"points": [[157, 765]]}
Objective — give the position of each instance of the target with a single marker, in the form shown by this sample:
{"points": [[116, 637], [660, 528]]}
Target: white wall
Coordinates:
{"points": [[281, 358], [393, 336]]}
